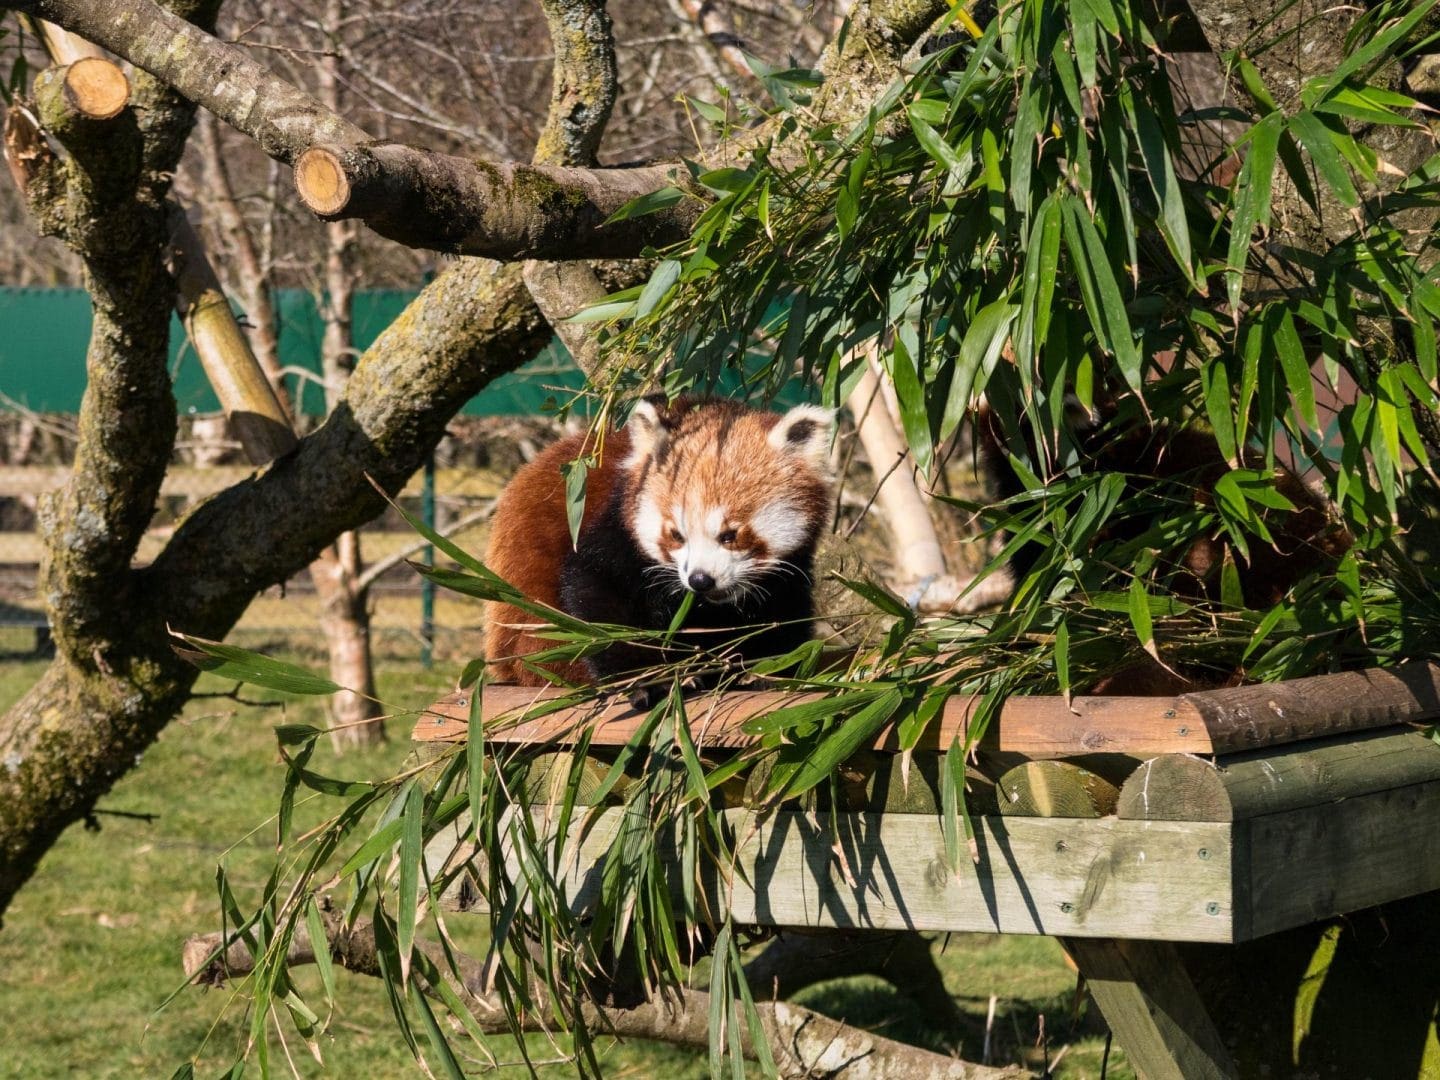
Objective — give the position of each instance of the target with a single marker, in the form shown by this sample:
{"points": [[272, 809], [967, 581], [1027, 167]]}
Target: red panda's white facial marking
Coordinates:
{"points": [[710, 559], [649, 528], [724, 495]]}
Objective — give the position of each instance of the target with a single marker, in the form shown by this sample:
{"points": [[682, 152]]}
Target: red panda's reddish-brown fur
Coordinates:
{"points": [[529, 541]]}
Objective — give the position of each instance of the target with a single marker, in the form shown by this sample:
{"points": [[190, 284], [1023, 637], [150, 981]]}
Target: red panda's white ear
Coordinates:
{"points": [[806, 432], [647, 430]]}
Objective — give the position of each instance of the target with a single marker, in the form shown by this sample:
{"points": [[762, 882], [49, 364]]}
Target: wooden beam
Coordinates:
{"points": [[1268, 714], [1153, 1008], [1332, 859], [1184, 788], [1219, 721], [1055, 789], [1104, 878]]}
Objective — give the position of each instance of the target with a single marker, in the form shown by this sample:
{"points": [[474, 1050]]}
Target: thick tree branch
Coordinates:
{"points": [[804, 1043], [581, 97], [470, 325], [93, 525], [502, 210], [583, 82], [107, 199]]}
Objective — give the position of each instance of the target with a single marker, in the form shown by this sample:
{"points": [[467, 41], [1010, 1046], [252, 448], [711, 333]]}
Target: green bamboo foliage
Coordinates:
{"points": [[1010, 220]]}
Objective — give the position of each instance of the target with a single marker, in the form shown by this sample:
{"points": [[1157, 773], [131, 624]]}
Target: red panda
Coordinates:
{"points": [[1306, 538], [702, 496]]}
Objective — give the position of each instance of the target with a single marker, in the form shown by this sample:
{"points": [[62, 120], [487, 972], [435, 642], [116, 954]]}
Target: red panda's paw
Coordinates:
{"points": [[645, 698]]}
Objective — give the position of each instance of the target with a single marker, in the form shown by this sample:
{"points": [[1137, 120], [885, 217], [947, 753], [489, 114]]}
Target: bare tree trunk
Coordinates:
{"points": [[355, 715]]}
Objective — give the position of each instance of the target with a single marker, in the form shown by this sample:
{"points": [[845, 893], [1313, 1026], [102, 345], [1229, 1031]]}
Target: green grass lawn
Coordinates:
{"points": [[91, 946]]}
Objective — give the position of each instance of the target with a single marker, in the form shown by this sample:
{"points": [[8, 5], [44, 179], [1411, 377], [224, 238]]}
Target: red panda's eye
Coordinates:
{"points": [[676, 536], [727, 537]]}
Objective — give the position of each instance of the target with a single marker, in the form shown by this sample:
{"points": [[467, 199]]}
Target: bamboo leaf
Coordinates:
{"points": [[1062, 659], [662, 280], [320, 944], [910, 393], [232, 662], [1174, 225], [1140, 615], [1251, 201], [412, 854], [842, 743], [1296, 367], [914, 723], [475, 754], [1100, 292], [576, 474], [1320, 142], [652, 201], [980, 350], [878, 595], [441, 1045]]}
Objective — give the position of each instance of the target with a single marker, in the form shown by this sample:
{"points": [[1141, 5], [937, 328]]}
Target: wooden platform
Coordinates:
{"points": [[1212, 817]]}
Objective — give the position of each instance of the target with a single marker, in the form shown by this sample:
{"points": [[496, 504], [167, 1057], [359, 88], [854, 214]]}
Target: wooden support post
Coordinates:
{"points": [[1153, 1008], [1055, 789], [1140, 986]]}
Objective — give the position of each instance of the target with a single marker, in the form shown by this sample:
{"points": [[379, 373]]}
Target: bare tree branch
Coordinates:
{"points": [[804, 1043]]}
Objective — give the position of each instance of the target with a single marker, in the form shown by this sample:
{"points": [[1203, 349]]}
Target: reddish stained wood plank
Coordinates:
{"points": [[1035, 726], [1209, 722]]}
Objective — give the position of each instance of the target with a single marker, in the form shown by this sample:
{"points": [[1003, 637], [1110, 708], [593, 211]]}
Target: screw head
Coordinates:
{"points": [[1203, 853], [1212, 908], [1066, 907]]}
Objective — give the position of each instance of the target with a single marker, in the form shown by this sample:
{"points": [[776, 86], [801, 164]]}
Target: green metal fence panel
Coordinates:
{"points": [[44, 334]]}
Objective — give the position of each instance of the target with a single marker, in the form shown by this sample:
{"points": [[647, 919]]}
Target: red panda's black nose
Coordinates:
{"points": [[701, 582]]}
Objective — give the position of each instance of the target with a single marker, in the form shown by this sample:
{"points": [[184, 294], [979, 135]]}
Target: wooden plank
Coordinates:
{"points": [[1269, 714], [1102, 878], [1184, 788], [1034, 726], [1153, 1009], [1329, 860]]}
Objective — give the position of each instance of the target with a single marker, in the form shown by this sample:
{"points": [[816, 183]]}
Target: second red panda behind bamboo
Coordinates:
{"points": [[708, 497]]}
